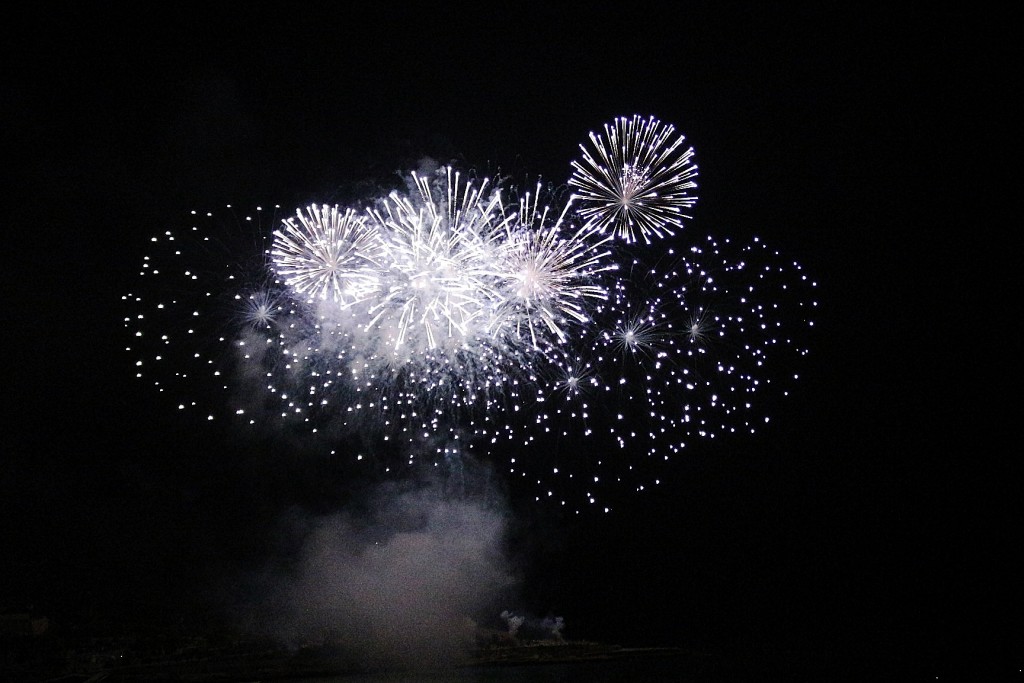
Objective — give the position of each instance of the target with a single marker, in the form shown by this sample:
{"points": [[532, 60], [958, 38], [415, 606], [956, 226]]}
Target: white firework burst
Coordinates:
{"points": [[550, 270], [437, 277], [637, 181], [327, 254], [260, 308], [637, 331]]}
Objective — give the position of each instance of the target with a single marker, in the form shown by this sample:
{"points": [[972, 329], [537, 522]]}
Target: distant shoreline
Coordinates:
{"points": [[547, 652]]}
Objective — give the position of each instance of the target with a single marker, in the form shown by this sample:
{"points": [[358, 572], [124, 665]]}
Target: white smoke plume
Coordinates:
{"points": [[514, 622], [521, 627], [402, 586]]}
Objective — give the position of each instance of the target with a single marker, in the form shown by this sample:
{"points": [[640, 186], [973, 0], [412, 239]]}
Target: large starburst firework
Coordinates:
{"points": [[636, 180], [327, 253], [548, 276]]}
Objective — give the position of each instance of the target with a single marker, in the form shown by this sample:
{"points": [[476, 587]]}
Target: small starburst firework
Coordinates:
{"points": [[637, 180], [260, 308], [637, 332]]}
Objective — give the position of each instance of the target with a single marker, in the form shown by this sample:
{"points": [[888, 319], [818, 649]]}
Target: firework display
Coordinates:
{"points": [[458, 318]]}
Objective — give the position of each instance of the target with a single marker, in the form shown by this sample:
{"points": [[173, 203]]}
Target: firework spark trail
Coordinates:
{"points": [[459, 318], [636, 180]]}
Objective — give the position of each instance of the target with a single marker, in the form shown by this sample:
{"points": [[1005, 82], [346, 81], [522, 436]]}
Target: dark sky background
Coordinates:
{"points": [[874, 519]]}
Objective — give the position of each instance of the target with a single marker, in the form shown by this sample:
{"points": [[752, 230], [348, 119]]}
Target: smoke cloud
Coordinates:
{"points": [[401, 584]]}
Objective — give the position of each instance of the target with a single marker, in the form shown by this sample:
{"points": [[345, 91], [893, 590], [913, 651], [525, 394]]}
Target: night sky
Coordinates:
{"points": [[871, 521]]}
